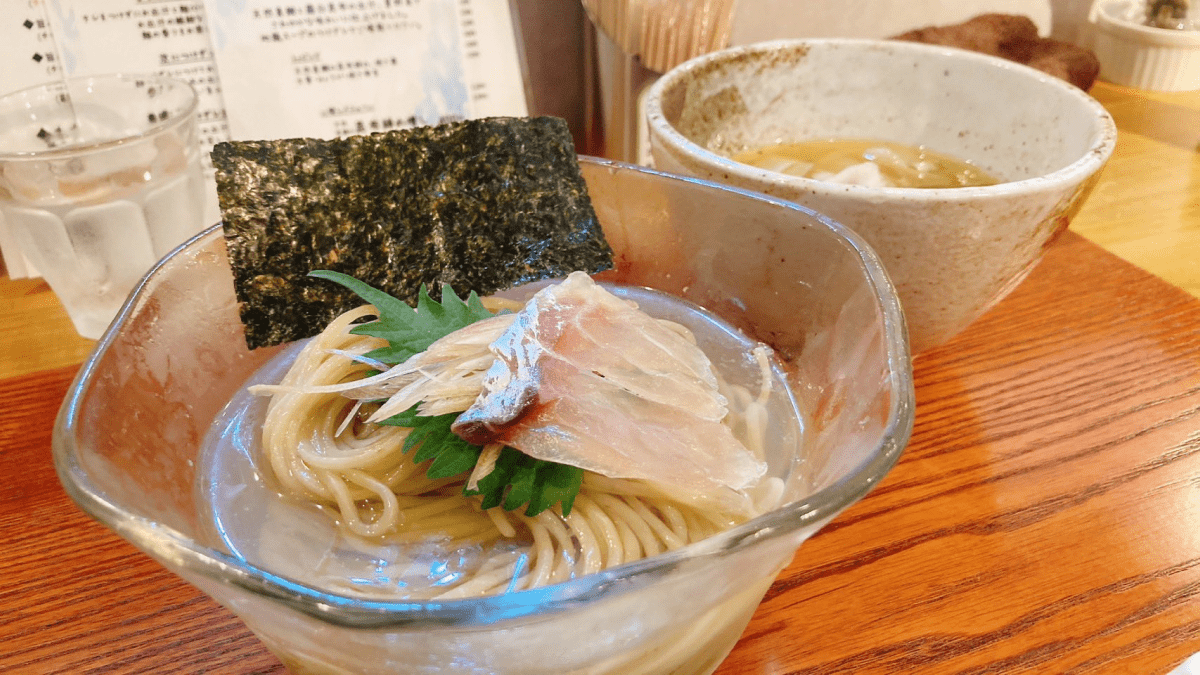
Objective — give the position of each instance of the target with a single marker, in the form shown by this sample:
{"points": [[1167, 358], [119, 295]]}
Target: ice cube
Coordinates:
{"points": [[30, 182], [172, 156], [14, 260], [112, 245], [110, 174], [173, 212], [43, 239]]}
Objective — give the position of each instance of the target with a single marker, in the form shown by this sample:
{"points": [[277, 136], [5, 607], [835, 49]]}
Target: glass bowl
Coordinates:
{"points": [[128, 435]]}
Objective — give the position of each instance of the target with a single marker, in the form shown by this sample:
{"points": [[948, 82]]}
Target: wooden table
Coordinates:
{"points": [[1045, 517]]}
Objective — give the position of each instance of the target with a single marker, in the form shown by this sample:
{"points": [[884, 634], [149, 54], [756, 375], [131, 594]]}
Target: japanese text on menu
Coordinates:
{"points": [[345, 67], [279, 69], [271, 69]]}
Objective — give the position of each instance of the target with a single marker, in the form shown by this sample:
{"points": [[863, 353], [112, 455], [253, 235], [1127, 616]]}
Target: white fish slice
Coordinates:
{"points": [[585, 378]]}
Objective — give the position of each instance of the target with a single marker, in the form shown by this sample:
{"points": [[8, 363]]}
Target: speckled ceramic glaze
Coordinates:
{"points": [[952, 253]]}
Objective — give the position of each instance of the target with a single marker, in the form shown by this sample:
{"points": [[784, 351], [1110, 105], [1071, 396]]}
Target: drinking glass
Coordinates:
{"points": [[99, 178]]}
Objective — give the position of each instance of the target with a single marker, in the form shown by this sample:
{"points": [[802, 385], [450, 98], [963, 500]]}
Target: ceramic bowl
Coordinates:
{"points": [[952, 253]]}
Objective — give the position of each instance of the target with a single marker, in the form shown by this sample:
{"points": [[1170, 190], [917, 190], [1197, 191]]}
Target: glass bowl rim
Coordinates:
{"points": [[166, 543]]}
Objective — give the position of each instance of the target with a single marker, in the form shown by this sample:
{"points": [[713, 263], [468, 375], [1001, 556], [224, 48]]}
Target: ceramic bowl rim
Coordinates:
{"points": [[1091, 161]]}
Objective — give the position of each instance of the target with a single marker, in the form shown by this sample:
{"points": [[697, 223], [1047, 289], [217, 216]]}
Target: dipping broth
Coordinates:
{"points": [[869, 163]]}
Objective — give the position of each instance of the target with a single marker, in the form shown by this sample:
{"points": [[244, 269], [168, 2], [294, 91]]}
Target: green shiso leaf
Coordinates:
{"points": [[556, 483], [409, 331], [517, 479]]}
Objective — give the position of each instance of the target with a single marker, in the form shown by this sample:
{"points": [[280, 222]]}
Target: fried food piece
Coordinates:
{"points": [[1008, 36], [1065, 61], [1015, 38]]}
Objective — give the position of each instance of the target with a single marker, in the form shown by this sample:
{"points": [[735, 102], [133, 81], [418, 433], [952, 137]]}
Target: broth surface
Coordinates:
{"points": [[251, 519], [867, 162]]}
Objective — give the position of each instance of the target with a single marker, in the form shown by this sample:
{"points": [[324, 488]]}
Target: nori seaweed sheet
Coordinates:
{"points": [[482, 205]]}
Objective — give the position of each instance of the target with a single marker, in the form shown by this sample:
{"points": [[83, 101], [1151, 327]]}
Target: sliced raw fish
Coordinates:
{"points": [[584, 378]]}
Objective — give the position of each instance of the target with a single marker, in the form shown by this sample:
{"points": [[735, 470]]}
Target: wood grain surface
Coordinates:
{"points": [[1146, 207], [37, 333], [75, 597], [1045, 517]]}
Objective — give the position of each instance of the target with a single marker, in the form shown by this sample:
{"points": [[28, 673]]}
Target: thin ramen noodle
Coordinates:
{"points": [[320, 448]]}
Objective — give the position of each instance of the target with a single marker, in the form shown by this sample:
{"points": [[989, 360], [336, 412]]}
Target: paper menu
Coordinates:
{"points": [[273, 70], [357, 66], [164, 37], [30, 57]]}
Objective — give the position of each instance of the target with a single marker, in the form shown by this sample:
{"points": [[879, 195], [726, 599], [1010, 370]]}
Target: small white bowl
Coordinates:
{"points": [[952, 253], [1143, 57]]}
